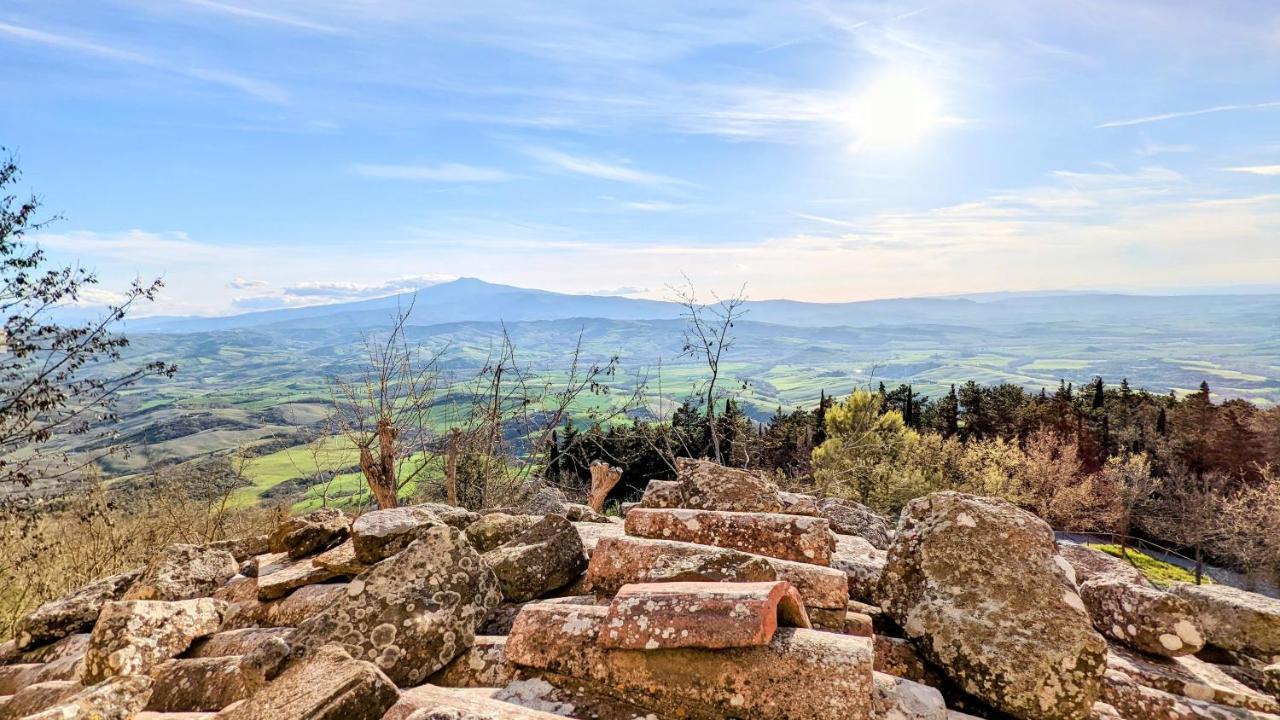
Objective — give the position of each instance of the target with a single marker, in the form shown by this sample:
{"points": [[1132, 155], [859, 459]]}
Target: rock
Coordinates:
{"points": [[69, 646], [243, 548], [898, 657], [1235, 619], [652, 616], [264, 663], [31, 699], [195, 684], [545, 557], [260, 566], [1133, 700], [862, 563], [327, 685], [547, 501], [1141, 617], [787, 537], [850, 518], [624, 560], [117, 698], [591, 533], [15, 677], [183, 572], [428, 702], [234, 642], [800, 674], [453, 516], [295, 575], [901, 699], [484, 664], [132, 636], [1089, 563], [1189, 677], [309, 534], [859, 624], [577, 512], [72, 613], [705, 485], [382, 533], [661, 494], [977, 585], [494, 529], [341, 560], [412, 613], [798, 503]]}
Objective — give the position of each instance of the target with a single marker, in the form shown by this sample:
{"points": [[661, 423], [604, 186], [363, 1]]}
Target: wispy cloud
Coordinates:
{"points": [[1256, 169], [322, 290], [1187, 113], [260, 89], [263, 16], [446, 172], [602, 170]]}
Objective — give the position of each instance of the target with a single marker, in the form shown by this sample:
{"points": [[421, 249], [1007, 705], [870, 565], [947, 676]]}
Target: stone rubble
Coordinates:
{"points": [[720, 596]]}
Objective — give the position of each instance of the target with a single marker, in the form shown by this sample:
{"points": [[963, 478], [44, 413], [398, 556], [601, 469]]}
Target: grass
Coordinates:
{"points": [[1157, 571]]}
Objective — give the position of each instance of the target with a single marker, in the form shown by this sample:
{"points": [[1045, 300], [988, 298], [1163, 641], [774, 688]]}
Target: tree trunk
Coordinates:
{"points": [[381, 473], [603, 479], [451, 467]]}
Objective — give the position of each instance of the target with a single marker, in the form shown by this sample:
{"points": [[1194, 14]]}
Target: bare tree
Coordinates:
{"points": [[55, 379], [1188, 510], [708, 336], [385, 411]]}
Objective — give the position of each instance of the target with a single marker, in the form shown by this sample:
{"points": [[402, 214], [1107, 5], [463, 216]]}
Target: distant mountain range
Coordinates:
{"points": [[470, 299]]}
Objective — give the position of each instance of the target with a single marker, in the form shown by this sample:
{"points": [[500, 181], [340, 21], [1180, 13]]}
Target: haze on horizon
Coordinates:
{"points": [[292, 152]]}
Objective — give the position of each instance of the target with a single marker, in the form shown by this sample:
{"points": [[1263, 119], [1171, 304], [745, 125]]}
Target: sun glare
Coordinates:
{"points": [[896, 111]]}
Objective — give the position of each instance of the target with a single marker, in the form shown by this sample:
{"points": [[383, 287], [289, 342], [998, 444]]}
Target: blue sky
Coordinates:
{"points": [[279, 152]]}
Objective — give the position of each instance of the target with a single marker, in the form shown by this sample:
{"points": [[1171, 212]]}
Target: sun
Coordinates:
{"points": [[897, 110]]}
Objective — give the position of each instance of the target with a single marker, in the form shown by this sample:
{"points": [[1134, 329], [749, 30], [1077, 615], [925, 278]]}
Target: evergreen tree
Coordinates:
{"points": [[1098, 397]]}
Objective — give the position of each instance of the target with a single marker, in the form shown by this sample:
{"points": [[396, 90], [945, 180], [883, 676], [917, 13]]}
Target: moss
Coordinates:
{"points": [[1159, 572]]}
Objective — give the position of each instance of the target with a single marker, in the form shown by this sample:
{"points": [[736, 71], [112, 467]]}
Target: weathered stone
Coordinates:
{"points": [[382, 533], [495, 529], [898, 657], [787, 537], [591, 533], [451, 515], [714, 615], [183, 572], [484, 664], [428, 702], [117, 698], [327, 685], [545, 557], [850, 518], [260, 566], [1190, 677], [800, 674], [309, 534], [661, 494], [862, 563], [898, 698], [73, 612], [976, 583], [1133, 700], [1235, 619], [71, 645], [706, 485], [195, 684], [412, 613], [1089, 563], [624, 560], [243, 548], [234, 642], [297, 606], [31, 699], [15, 677], [547, 501], [297, 574], [1141, 617], [132, 636], [859, 624], [577, 512], [798, 503], [341, 560], [264, 663]]}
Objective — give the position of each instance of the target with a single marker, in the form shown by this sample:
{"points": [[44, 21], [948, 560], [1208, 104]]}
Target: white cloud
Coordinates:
{"points": [[346, 290], [446, 172], [1256, 169], [1187, 113], [243, 284], [260, 89], [263, 16], [130, 245], [600, 169]]}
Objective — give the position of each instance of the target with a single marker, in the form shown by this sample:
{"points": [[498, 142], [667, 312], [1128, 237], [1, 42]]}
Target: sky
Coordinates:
{"points": [[267, 153]]}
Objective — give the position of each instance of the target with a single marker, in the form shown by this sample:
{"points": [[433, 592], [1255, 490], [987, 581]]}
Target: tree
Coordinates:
{"points": [[862, 448], [708, 336], [55, 379]]}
